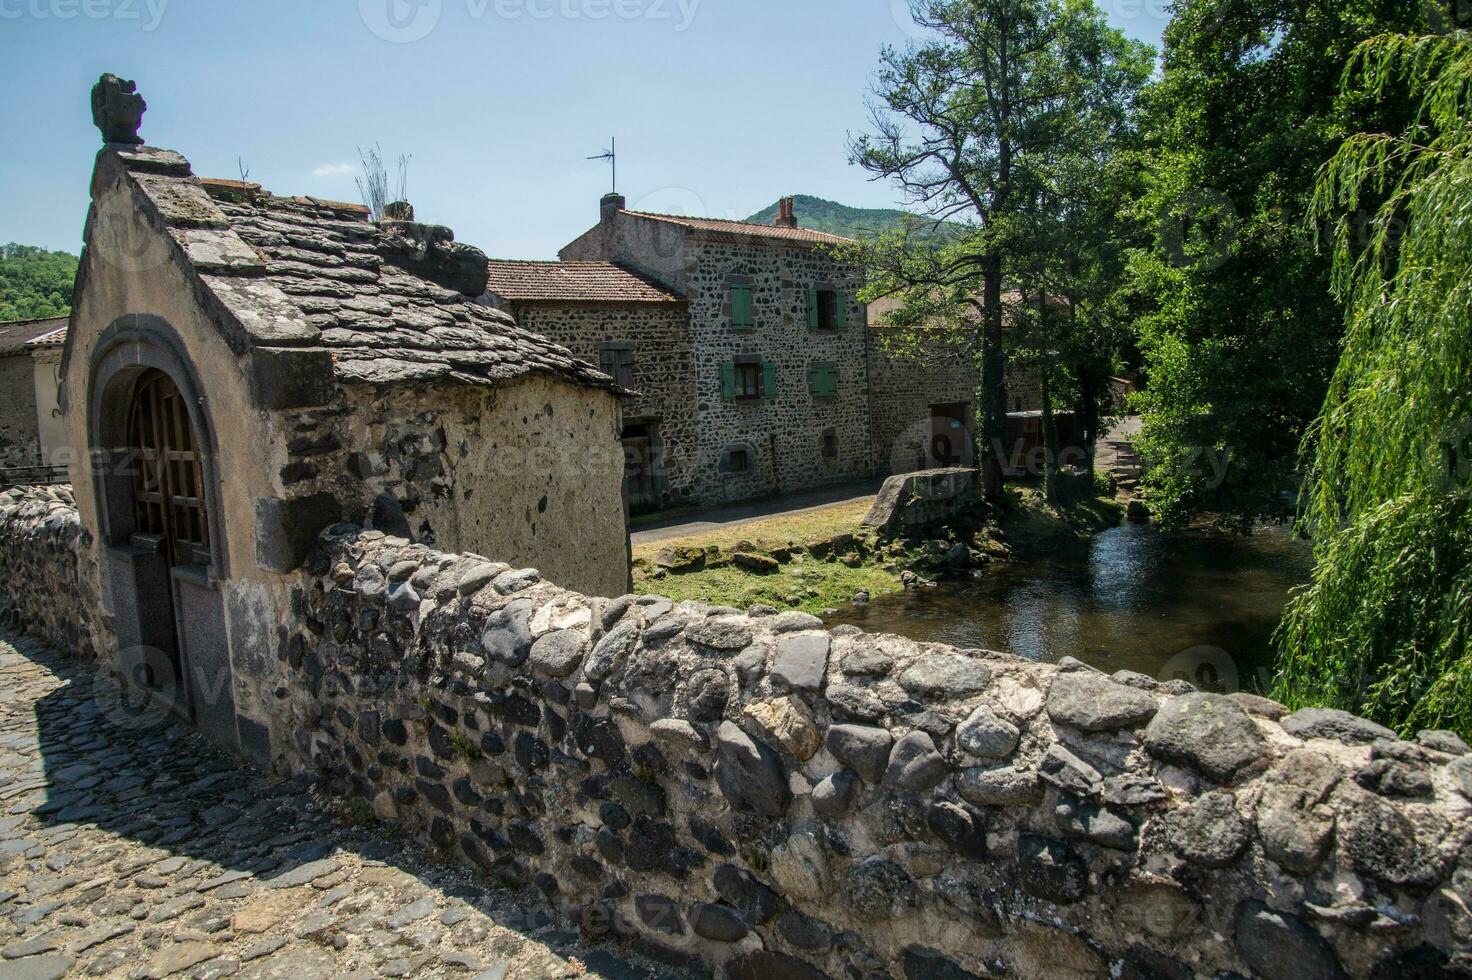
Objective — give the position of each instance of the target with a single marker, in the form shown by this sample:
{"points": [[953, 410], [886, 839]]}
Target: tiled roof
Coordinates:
{"points": [[746, 229], [53, 338], [16, 334], [301, 271], [587, 282]]}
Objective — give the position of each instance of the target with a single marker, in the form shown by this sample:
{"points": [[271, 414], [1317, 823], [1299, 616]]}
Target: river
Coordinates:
{"points": [[1196, 604]]}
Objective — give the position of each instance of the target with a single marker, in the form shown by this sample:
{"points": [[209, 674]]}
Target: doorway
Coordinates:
{"points": [[171, 629], [950, 434], [641, 478]]}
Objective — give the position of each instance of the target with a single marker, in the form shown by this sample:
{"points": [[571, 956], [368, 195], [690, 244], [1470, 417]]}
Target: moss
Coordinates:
{"points": [[357, 812], [463, 747]]}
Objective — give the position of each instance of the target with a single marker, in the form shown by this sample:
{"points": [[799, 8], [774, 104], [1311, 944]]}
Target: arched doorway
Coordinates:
{"points": [[170, 526], [168, 481]]}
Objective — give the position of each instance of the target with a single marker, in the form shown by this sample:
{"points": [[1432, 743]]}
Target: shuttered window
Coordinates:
{"points": [[741, 313], [748, 380], [823, 380], [827, 308]]}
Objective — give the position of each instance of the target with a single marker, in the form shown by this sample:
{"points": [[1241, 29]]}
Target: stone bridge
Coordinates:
{"points": [[747, 791]]}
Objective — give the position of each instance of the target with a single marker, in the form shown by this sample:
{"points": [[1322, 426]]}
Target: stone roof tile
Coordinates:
{"points": [[302, 270]]}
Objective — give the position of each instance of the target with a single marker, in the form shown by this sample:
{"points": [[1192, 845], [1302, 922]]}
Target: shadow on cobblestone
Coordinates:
{"points": [[130, 846]]}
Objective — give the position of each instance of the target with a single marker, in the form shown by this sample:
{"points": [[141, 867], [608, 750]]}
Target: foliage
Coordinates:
{"points": [[1385, 629], [373, 185], [35, 283], [987, 126], [1236, 323]]}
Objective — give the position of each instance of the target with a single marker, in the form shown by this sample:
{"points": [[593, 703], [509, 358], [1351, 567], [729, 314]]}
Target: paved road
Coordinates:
{"points": [[137, 850], [756, 510]]}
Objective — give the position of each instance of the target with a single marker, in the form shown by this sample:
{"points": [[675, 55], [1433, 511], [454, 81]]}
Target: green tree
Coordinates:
{"points": [[971, 126], [35, 283], [1237, 326], [1385, 629]]}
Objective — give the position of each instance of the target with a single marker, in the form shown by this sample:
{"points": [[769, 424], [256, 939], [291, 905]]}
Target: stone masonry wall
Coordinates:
{"points": [[664, 372], [41, 543], [909, 378], [783, 801], [20, 440], [784, 430]]}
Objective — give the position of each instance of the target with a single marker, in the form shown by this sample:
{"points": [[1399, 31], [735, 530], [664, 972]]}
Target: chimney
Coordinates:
{"points": [[786, 215], [610, 205]]}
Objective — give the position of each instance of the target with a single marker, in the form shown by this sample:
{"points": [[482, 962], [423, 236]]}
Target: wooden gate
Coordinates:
{"points": [[168, 482]]}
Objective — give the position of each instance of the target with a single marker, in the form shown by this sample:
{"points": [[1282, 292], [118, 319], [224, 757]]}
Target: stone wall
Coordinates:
{"points": [[20, 442], [912, 374], [664, 372], [42, 543], [783, 430], [781, 801]]}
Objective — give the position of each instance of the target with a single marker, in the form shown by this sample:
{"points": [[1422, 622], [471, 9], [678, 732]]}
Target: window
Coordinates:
{"points": [[827, 309], [746, 378], [830, 443], [823, 380], [739, 458], [617, 361], [741, 311]]}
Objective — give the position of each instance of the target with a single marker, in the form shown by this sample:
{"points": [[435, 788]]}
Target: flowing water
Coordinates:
{"points": [[1196, 605]]}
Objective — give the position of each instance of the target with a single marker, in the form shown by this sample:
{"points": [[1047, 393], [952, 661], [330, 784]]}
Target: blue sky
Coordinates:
{"points": [[719, 106]]}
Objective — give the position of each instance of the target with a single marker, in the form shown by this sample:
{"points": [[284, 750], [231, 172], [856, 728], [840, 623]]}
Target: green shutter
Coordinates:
{"points": [[769, 380], [812, 307], [728, 382], [830, 387], [841, 306], [823, 381], [741, 318]]}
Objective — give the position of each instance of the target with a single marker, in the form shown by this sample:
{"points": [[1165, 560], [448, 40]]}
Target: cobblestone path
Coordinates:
{"points": [[133, 849]]}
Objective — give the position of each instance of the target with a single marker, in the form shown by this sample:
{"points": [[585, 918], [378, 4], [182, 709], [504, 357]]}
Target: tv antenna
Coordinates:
{"points": [[611, 155]]}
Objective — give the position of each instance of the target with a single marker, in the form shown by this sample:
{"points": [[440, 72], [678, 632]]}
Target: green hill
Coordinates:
{"points": [[835, 218], [35, 283]]}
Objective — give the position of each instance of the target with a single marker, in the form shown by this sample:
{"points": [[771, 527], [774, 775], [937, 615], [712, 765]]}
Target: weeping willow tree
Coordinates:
{"points": [[1385, 627]]}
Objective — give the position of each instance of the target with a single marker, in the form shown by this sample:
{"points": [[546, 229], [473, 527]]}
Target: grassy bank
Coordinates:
{"points": [[802, 580], [820, 559]]}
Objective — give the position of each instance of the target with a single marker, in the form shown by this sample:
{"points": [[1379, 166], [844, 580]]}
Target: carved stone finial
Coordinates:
{"points": [[117, 109]]}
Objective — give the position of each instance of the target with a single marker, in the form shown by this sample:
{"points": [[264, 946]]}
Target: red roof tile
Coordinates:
{"points": [[747, 229], [16, 334], [574, 282]]}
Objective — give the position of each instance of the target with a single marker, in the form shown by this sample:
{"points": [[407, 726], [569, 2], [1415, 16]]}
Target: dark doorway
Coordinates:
{"points": [[950, 434], [180, 657], [641, 478]]}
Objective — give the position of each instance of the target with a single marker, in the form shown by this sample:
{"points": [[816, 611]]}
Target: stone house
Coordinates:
{"points": [[777, 348], [243, 370], [638, 331], [32, 435], [924, 396]]}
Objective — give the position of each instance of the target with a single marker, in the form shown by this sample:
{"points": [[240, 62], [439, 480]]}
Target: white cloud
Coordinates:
{"points": [[334, 170]]}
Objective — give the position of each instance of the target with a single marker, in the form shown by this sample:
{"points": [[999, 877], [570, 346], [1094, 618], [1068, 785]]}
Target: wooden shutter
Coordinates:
{"points": [[741, 316], [769, 380], [728, 382], [840, 309], [812, 307], [823, 380]]}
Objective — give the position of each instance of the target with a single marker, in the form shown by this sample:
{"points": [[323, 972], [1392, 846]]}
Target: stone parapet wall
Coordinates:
{"points": [[752, 791], [42, 542], [784, 801]]}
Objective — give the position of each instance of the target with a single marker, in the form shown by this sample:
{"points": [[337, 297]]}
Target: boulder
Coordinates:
{"points": [[1094, 703], [910, 503]]}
